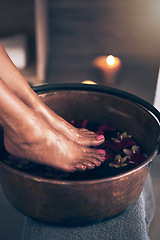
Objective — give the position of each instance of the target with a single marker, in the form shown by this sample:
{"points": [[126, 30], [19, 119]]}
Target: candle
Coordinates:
{"points": [[109, 66], [89, 82]]}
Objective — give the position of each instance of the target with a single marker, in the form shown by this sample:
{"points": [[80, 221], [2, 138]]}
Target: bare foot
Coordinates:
{"points": [[37, 141], [82, 136]]}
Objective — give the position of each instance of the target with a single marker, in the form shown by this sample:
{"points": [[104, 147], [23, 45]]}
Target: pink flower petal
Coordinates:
{"points": [[84, 123]]}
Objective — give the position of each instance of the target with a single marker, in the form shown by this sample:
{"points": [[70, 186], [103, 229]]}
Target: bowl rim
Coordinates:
{"points": [[45, 88]]}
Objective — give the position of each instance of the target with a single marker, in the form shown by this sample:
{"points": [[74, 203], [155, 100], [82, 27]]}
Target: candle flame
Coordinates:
{"points": [[110, 60], [88, 82]]}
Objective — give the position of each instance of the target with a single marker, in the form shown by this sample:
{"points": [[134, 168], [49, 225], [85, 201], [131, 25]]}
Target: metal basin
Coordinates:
{"points": [[83, 202]]}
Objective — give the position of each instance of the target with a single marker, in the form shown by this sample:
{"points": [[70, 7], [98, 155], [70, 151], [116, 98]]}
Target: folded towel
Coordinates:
{"points": [[133, 224]]}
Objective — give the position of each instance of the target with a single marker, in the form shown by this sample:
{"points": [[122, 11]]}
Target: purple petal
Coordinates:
{"points": [[126, 142], [104, 145], [137, 158], [109, 155], [107, 127], [114, 146]]}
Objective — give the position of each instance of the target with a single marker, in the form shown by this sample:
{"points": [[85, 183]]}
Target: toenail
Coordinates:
{"points": [[84, 167], [100, 151], [100, 137], [103, 158], [93, 165], [99, 163]]}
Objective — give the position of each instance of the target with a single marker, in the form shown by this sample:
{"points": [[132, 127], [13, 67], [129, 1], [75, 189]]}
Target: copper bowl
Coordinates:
{"points": [[83, 202]]}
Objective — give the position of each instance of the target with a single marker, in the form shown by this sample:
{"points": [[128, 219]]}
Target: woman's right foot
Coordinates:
{"points": [[38, 142]]}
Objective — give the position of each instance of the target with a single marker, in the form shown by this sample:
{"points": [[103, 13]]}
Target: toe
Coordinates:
{"points": [[94, 161], [89, 165], [98, 154], [87, 132], [101, 152], [80, 167]]}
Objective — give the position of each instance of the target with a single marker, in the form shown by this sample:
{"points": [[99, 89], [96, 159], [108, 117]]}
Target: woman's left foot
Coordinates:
{"points": [[81, 136]]}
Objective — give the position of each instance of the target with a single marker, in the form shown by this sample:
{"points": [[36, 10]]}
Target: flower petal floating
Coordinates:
{"points": [[79, 124], [127, 152], [84, 123], [104, 145], [126, 142], [119, 146], [119, 161], [121, 151], [137, 158], [109, 155], [99, 132], [107, 127], [135, 149], [114, 146]]}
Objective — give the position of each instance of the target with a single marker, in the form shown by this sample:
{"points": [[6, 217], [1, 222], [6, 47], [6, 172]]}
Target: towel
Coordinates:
{"points": [[132, 224]]}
